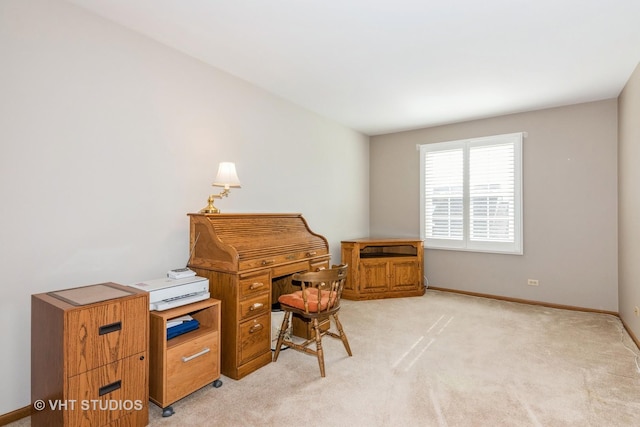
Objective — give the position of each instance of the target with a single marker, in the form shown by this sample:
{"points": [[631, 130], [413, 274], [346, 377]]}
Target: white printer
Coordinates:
{"points": [[169, 293]]}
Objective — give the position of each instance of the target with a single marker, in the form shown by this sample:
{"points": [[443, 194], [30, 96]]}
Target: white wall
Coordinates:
{"points": [[109, 139], [570, 206], [629, 208]]}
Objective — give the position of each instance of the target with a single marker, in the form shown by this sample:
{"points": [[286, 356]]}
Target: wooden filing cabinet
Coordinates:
{"points": [[89, 361], [383, 268], [188, 362]]}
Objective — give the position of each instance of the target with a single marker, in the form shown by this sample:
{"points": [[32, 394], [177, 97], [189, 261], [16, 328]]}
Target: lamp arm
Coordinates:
{"points": [[212, 209], [223, 193]]}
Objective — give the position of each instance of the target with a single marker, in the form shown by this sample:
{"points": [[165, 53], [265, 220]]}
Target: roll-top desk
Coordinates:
{"points": [[247, 258]]}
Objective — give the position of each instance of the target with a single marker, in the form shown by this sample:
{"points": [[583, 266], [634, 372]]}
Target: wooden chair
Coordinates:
{"points": [[318, 299]]}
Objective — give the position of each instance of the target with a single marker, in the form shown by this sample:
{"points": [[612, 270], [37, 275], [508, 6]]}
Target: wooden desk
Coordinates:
{"points": [[246, 256]]}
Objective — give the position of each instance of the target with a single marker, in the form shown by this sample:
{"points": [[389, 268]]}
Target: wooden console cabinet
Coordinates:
{"points": [[188, 362], [89, 361], [383, 268]]}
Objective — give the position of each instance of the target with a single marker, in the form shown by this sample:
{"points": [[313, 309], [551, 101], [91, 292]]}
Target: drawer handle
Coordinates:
{"points": [[312, 253], [256, 328], [107, 329], [256, 306], [193, 356], [268, 261], [256, 285], [109, 388]]}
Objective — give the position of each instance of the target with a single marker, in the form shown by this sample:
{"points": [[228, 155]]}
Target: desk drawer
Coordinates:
{"points": [[255, 337], [254, 306], [253, 285], [192, 365], [285, 258], [103, 334], [287, 269], [319, 264]]}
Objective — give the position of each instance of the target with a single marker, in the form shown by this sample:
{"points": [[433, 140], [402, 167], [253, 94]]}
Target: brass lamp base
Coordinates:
{"points": [[207, 210], [210, 209]]}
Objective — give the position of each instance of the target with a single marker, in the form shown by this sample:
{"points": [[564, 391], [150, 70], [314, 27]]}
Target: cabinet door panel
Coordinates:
{"points": [[374, 275], [404, 275]]}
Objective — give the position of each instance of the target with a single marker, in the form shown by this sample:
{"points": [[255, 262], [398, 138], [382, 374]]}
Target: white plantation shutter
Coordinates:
{"points": [[443, 194], [491, 192], [471, 194]]}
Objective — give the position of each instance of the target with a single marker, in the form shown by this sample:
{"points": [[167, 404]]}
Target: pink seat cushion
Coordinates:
{"points": [[295, 300]]}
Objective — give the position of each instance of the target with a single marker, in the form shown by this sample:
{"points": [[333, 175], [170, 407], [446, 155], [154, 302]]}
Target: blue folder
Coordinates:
{"points": [[182, 328]]}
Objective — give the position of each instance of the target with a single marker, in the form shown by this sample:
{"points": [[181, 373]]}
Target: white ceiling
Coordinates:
{"points": [[380, 66]]}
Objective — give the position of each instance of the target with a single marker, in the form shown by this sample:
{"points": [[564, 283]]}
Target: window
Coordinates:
{"points": [[471, 194]]}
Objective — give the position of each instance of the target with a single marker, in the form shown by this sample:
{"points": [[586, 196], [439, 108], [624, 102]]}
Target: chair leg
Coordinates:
{"points": [[283, 329], [343, 336], [319, 352]]}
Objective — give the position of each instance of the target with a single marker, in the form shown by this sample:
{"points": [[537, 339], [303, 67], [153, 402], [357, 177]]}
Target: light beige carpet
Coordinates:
{"points": [[439, 360]]}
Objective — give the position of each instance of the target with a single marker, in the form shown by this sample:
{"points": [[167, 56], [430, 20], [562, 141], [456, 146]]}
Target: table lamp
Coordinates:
{"points": [[227, 178]]}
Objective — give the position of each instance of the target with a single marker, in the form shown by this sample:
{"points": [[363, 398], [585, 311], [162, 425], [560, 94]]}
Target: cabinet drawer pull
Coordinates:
{"points": [[256, 285], [255, 328], [109, 388], [268, 261], [256, 306], [107, 329], [193, 356], [312, 253]]}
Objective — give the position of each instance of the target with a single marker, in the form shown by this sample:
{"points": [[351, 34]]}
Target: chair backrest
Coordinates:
{"points": [[321, 290]]}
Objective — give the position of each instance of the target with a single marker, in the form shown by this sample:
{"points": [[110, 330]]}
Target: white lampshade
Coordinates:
{"points": [[227, 176]]}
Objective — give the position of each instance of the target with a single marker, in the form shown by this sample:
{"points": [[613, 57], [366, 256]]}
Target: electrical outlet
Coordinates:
{"points": [[532, 282], [636, 310]]}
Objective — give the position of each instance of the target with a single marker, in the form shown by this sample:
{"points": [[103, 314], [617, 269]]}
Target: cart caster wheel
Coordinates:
{"points": [[167, 412], [217, 384]]}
